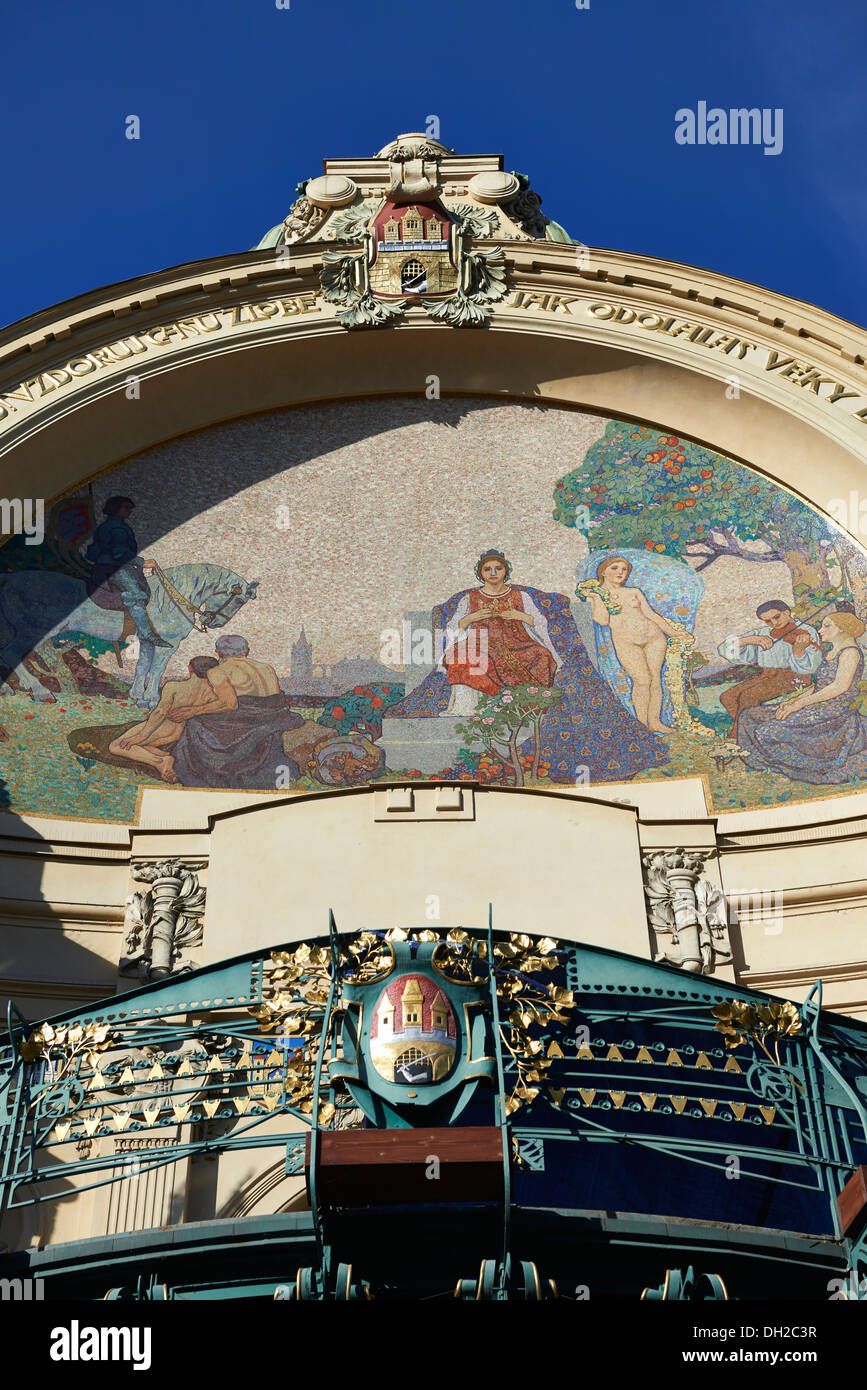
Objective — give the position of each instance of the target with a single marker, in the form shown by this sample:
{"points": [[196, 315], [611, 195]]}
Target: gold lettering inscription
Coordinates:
{"points": [[841, 394], [804, 375], [32, 391], [550, 303], [800, 374]]}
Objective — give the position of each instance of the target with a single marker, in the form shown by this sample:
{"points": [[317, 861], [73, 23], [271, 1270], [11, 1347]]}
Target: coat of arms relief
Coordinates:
{"points": [[413, 238]]}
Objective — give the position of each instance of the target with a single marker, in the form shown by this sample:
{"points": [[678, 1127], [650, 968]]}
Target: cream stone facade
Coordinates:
{"points": [[770, 382]]}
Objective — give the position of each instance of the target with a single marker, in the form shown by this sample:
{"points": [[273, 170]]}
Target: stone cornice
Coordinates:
{"points": [[803, 901], [33, 912], [48, 341], [71, 992], [784, 980], [226, 280], [760, 839]]}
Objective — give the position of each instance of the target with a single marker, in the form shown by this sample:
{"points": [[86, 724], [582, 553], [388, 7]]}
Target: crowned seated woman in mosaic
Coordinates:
{"points": [[500, 635], [496, 638], [816, 737]]}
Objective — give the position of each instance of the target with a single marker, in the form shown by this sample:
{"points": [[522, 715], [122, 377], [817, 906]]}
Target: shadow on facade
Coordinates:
{"points": [[31, 987], [235, 463]]}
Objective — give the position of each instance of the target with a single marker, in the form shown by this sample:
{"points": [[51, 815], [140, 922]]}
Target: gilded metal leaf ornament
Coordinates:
{"points": [[526, 1001], [739, 1020], [295, 998], [145, 1084], [64, 1049], [61, 1044]]}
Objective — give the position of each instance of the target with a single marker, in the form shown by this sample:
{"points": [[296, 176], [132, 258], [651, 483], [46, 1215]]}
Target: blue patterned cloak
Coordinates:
{"points": [[588, 728]]}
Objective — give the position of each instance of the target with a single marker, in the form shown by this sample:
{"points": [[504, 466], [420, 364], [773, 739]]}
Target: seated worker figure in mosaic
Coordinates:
{"points": [[235, 739], [151, 741], [531, 637], [818, 736], [786, 654]]}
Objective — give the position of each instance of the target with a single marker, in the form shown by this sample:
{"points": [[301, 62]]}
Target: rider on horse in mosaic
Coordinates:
{"points": [[118, 577]]}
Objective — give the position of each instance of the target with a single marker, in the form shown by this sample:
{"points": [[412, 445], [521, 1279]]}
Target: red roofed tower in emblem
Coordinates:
{"points": [[413, 1034], [413, 252]]}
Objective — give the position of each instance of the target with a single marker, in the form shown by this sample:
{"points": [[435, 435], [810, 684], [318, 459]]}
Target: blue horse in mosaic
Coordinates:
{"points": [[38, 605]]}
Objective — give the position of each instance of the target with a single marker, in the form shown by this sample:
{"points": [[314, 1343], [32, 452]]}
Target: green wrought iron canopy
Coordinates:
{"points": [[562, 1077]]}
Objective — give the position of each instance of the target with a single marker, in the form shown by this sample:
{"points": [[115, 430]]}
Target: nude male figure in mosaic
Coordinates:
{"points": [[151, 741]]}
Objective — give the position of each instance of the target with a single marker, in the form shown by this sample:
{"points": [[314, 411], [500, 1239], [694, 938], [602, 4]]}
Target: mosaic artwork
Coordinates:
{"points": [[393, 589]]}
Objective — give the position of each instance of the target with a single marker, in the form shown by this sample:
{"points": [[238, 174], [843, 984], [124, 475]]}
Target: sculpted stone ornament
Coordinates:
{"points": [[162, 921], [304, 218], [414, 241], [351, 223], [331, 191], [525, 209], [412, 179], [413, 252], [477, 221], [414, 146], [686, 908], [494, 187]]}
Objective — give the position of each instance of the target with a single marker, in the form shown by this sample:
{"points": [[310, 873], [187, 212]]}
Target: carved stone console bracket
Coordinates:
{"points": [[687, 909], [162, 921]]}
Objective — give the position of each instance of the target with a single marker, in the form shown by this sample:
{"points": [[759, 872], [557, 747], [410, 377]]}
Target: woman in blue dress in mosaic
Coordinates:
{"points": [[816, 737]]}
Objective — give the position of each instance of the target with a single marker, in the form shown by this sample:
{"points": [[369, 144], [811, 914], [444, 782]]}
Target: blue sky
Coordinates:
{"points": [[239, 100]]}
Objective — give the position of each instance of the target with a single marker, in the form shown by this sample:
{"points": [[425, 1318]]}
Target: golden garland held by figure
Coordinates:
{"points": [[678, 642]]}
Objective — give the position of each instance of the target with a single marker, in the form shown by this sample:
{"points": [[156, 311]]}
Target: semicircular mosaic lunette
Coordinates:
{"points": [[465, 589]]}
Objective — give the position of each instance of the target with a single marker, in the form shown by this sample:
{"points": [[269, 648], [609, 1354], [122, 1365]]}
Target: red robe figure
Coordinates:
{"points": [[497, 639]]}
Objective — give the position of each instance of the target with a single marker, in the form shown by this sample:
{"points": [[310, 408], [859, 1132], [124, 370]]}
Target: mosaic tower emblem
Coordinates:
{"points": [[414, 251], [413, 1035], [414, 1040]]}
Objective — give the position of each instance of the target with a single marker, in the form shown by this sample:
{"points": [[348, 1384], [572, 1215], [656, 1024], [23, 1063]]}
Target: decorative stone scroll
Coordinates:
{"points": [[525, 210], [685, 911], [302, 220], [163, 921]]}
